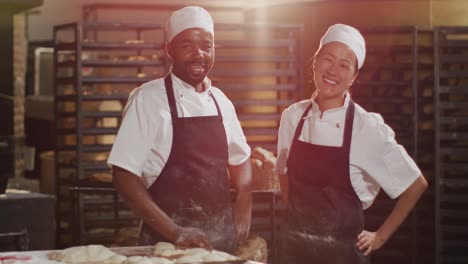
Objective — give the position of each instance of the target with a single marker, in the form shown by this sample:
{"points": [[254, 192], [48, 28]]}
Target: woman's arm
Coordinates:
{"points": [[371, 241]]}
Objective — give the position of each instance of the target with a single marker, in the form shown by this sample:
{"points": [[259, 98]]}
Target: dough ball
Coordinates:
{"points": [[189, 259], [116, 259], [218, 256], [163, 246], [156, 260], [99, 253], [144, 260], [72, 254], [172, 252], [197, 252], [133, 259], [83, 254]]}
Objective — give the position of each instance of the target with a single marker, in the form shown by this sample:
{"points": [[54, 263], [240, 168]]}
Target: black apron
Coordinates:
{"points": [[193, 187], [324, 214]]}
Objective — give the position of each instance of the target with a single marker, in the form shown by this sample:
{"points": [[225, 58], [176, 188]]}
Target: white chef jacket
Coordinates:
{"points": [[376, 159], [143, 143]]}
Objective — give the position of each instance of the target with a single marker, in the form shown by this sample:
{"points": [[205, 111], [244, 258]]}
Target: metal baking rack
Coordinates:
{"points": [[451, 144], [393, 83], [93, 75], [260, 68]]}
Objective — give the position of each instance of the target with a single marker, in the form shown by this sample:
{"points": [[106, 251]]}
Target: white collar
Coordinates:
{"points": [[182, 86], [315, 111]]}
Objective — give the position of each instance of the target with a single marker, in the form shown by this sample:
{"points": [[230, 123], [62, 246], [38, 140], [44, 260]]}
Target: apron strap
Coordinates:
{"points": [[171, 97], [301, 123], [348, 129], [217, 106]]}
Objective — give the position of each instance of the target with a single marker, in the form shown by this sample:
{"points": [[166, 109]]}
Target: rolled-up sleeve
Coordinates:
{"points": [[284, 142], [388, 162], [133, 142], [238, 149]]}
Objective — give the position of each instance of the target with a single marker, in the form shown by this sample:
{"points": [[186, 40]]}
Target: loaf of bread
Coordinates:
{"points": [[263, 170]]}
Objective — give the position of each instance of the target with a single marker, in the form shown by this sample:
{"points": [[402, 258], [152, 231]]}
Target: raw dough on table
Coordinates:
{"points": [[197, 252], [133, 259], [166, 249], [172, 253], [163, 246], [189, 259], [116, 259], [138, 260], [219, 256], [146, 260], [157, 260], [86, 254], [190, 255]]}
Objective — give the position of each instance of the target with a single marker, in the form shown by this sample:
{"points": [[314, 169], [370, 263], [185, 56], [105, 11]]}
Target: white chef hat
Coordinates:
{"points": [[348, 36], [189, 17]]}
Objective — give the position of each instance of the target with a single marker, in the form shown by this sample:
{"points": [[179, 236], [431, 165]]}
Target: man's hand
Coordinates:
{"points": [[369, 241], [241, 180], [242, 216], [192, 237]]}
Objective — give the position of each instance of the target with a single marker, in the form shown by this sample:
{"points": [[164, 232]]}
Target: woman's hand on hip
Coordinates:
{"points": [[369, 242]]}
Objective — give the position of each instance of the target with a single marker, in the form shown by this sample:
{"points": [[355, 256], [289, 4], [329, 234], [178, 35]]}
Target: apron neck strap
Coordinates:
{"points": [[348, 129], [170, 96], [301, 122], [217, 106]]}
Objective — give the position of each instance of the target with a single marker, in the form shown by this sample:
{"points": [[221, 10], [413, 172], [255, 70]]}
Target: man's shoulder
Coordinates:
{"points": [[149, 91], [150, 95], [155, 86]]}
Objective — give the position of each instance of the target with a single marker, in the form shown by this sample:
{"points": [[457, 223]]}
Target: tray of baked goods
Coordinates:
{"points": [[161, 253]]}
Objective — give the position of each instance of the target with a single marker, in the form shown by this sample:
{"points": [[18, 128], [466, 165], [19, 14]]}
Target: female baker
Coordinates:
{"points": [[333, 157]]}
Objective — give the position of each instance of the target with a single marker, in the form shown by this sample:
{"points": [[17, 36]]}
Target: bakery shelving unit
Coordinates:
{"points": [[425, 156], [389, 84], [93, 77], [451, 143], [260, 68]]}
